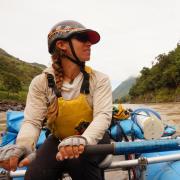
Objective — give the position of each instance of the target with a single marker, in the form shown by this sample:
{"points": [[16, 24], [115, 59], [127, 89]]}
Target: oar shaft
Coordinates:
{"points": [[146, 146]]}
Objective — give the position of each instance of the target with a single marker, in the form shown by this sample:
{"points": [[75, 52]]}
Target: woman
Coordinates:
{"points": [[77, 103]]}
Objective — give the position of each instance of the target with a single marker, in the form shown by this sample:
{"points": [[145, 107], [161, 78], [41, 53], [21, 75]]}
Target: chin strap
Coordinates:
{"points": [[79, 63], [76, 60]]}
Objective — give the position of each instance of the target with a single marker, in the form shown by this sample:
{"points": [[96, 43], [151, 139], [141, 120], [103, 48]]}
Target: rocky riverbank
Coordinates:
{"points": [[14, 106]]}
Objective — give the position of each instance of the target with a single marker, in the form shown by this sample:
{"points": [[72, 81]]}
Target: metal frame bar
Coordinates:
{"points": [[151, 160], [121, 164]]}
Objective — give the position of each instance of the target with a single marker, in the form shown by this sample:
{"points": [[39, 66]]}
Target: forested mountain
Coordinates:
{"points": [[24, 71], [161, 82], [123, 89]]}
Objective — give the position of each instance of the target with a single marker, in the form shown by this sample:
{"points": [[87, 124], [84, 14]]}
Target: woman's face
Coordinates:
{"points": [[82, 47]]}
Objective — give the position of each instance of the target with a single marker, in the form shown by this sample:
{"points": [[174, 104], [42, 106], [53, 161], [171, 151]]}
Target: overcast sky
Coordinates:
{"points": [[133, 32]]}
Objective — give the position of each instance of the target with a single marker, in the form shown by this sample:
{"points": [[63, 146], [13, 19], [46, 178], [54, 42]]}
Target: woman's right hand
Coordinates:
{"points": [[71, 147], [10, 156]]}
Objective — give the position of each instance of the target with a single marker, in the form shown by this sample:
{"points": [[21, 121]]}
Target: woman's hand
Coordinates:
{"points": [[71, 147], [10, 156]]}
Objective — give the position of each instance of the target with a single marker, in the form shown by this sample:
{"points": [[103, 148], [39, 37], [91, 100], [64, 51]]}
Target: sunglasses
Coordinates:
{"points": [[82, 37]]}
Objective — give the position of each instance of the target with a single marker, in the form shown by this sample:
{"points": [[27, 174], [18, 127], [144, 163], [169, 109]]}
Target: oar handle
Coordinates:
{"points": [[103, 149]]}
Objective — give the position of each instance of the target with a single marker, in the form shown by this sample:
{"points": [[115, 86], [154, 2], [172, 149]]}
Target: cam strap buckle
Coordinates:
{"points": [[52, 84]]}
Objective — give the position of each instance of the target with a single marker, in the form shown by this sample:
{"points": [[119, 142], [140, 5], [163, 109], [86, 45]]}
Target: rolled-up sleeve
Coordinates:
{"points": [[102, 111], [34, 114]]}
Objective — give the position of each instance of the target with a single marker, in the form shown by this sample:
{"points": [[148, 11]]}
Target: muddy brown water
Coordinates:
{"points": [[170, 114]]}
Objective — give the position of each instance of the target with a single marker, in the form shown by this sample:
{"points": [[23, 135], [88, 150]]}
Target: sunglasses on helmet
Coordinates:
{"points": [[82, 37]]}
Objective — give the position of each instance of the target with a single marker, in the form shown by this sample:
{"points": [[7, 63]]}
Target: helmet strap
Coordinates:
{"points": [[76, 60]]}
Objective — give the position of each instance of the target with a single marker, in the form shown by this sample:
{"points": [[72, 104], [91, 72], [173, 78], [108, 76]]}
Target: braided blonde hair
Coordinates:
{"points": [[58, 72]]}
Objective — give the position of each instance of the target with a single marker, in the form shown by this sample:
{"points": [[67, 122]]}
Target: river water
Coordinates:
{"points": [[170, 113]]}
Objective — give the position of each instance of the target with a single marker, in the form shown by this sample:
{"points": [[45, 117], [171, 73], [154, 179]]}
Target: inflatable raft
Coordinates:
{"points": [[132, 126]]}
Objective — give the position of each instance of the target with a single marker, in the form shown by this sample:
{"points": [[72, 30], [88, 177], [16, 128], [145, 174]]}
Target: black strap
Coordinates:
{"points": [[85, 83], [76, 61], [52, 84], [79, 63]]}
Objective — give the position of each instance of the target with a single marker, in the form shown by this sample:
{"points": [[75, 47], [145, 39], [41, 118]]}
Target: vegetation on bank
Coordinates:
{"points": [[15, 77], [161, 82]]}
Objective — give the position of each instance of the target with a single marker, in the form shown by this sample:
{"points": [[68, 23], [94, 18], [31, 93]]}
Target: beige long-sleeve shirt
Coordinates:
{"points": [[40, 96]]}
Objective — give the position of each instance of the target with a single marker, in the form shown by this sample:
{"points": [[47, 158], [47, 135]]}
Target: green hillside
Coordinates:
{"points": [[161, 82], [19, 71], [41, 66], [123, 89]]}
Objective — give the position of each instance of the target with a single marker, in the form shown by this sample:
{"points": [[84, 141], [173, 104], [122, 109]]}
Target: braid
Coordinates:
{"points": [[58, 72]]}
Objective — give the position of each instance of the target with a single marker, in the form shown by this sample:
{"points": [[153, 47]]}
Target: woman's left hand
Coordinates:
{"points": [[71, 147]]}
